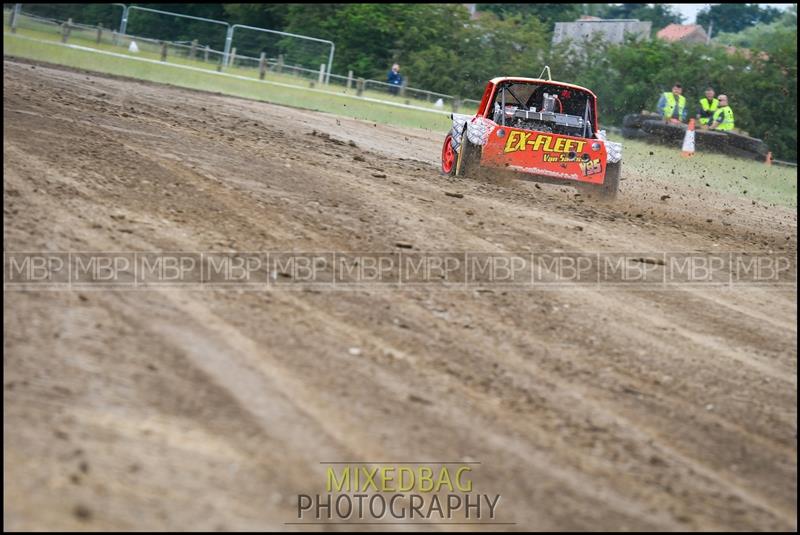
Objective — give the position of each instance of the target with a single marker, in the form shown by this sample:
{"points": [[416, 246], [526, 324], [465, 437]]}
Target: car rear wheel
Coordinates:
{"points": [[610, 186], [608, 189]]}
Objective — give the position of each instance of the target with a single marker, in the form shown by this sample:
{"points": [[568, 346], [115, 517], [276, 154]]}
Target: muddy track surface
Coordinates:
{"points": [[587, 408]]}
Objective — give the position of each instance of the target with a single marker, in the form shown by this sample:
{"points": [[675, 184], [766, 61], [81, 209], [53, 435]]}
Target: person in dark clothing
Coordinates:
{"points": [[395, 79]]}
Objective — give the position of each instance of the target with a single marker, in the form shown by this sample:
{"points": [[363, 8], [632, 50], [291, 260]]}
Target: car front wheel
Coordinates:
{"points": [[449, 156]]}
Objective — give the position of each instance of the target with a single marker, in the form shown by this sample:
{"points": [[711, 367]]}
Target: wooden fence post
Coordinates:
{"points": [[349, 80], [99, 33], [205, 54], [163, 51], [456, 104], [280, 63], [360, 87], [193, 50], [321, 78], [232, 58], [66, 28], [262, 66], [12, 20]]}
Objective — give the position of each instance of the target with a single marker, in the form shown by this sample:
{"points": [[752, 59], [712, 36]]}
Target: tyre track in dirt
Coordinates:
{"points": [[587, 408]]}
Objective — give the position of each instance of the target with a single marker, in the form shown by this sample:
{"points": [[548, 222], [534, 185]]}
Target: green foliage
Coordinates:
{"points": [[661, 15], [370, 37], [493, 46], [763, 36], [547, 14], [271, 16], [106, 14], [736, 17], [144, 24], [768, 93], [165, 27]]}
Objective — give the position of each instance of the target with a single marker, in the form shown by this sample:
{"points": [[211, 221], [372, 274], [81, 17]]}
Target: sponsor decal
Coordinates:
{"points": [[519, 140]]}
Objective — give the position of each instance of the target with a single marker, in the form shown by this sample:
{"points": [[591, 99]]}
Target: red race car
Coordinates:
{"points": [[543, 130]]}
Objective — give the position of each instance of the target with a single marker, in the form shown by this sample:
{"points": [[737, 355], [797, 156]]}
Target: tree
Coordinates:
{"points": [[270, 16], [763, 36], [547, 14], [736, 17], [661, 15], [480, 50], [370, 37], [108, 15]]}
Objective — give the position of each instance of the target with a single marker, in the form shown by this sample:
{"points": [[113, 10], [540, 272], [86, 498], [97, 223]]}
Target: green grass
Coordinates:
{"points": [[49, 32], [741, 178], [212, 81]]}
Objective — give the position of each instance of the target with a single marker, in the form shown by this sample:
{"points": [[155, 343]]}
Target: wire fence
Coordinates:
{"points": [[194, 53]]}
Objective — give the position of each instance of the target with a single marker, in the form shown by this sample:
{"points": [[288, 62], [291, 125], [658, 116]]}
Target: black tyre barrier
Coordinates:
{"points": [[633, 133], [657, 131]]}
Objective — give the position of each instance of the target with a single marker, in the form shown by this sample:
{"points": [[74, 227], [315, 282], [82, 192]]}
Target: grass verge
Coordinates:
{"points": [[735, 176], [213, 81]]}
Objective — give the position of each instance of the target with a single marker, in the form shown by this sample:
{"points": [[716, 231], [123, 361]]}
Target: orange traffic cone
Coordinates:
{"points": [[769, 158], [688, 140]]}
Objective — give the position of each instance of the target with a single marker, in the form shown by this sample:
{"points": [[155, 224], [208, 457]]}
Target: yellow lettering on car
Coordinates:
{"points": [[539, 141], [517, 140], [523, 140], [510, 141]]}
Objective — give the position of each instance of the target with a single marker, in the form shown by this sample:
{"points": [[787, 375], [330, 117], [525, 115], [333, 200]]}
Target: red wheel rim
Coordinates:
{"points": [[448, 155]]}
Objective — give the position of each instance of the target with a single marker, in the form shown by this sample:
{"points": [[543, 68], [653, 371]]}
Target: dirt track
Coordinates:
{"points": [[588, 409]]}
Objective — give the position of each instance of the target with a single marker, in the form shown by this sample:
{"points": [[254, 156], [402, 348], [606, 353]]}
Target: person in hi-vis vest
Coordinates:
{"points": [[708, 105], [672, 105], [723, 117]]}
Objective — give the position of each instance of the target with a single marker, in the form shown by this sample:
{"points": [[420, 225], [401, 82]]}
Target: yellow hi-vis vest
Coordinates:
{"points": [[708, 109], [670, 107], [724, 116]]}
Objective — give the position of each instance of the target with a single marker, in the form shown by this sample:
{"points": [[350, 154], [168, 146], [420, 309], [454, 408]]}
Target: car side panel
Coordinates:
{"points": [[546, 154]]}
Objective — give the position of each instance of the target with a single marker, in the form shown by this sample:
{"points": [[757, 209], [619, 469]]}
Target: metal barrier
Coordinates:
{"points": [[232, 29], [126, 14]]}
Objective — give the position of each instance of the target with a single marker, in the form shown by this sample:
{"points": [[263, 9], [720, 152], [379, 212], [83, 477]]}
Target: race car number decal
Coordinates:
{"points": [[592, 167]]}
